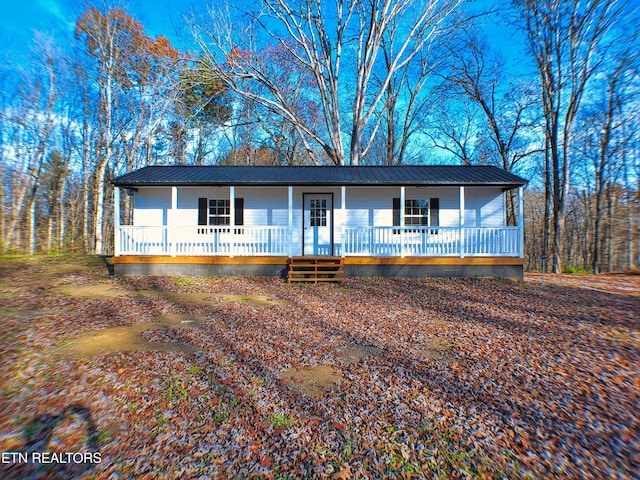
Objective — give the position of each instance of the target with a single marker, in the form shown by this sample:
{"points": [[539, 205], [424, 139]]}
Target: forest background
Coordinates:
{"points": [[546, 89]]}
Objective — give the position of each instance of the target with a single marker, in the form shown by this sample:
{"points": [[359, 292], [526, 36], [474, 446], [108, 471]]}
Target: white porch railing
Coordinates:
{"points": [[495, 242], [356, 241], [431, 241], [204, 240]]}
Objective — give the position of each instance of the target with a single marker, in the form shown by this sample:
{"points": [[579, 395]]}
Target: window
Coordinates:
{"points": [[416, 212], [219, 212], [318, 213]]}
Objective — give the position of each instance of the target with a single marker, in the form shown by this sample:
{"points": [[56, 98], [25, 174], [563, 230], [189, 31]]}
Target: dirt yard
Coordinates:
{"points": [[179, 377]]}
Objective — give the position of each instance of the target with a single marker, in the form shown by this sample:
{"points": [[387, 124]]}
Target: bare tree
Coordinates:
{"points": [[101, 34], [39, 123], [125, 61], [455, 130], [630, 156], [149, 101], [340, 45], [566, 39], [3, 186], [410, 96], [533, 233], [506, 116], [604, 139], [506, 106], [83, 108]]}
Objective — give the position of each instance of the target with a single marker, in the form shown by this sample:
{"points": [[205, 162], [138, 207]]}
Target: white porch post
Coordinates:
{"points": [[116, 221], [343, 215], [461, 222], [290, 229], [402, 192], [171, 220], [521, 221], [232, 219]]}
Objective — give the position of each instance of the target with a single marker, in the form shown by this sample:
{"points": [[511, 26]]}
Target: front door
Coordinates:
{"points": [[318, 217]]}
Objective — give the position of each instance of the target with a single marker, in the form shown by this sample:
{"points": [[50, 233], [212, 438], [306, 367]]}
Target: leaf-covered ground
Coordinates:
{"points": [[178, 377]]}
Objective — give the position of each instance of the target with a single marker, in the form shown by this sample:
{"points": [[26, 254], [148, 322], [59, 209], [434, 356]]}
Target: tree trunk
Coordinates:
{"points": [[99, 184], [3, 236], [356, 144], [32, 225], [630, 229], [547, 207], [61, 222], [597, 234], [102, 165], [611, 214], [50, 232], [558, 214]]}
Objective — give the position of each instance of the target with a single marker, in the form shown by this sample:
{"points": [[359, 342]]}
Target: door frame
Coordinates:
{"points": [[304, 202]]}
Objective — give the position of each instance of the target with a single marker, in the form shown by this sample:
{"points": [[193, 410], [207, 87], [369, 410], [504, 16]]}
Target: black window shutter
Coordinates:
{"points": [[396, 212], [239, 211], [202, 211], [434, 211]]}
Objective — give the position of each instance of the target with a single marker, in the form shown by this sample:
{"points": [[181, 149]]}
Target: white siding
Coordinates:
{"points": [[370, 206], [265, 205], [484, 207], [151, 206]]}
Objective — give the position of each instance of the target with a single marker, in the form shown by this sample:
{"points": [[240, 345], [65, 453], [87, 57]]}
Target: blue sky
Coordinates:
{"points": [[21, 18]]}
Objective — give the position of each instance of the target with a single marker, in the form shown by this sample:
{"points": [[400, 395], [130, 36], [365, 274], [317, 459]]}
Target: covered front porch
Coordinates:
{"points": [[338, 221], [387, 221]]}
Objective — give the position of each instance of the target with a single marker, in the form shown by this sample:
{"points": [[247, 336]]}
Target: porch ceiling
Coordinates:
{"points": [[320, 175]]}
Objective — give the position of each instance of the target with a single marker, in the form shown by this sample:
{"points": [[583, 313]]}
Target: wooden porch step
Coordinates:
{"points": [[315, 269]]}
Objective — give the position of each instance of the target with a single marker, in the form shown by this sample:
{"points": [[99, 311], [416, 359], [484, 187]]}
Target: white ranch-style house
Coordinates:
{"points": [[379, 220]]}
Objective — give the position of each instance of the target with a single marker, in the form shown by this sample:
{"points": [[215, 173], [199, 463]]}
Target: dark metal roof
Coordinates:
{"points": [[330, 175]]}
